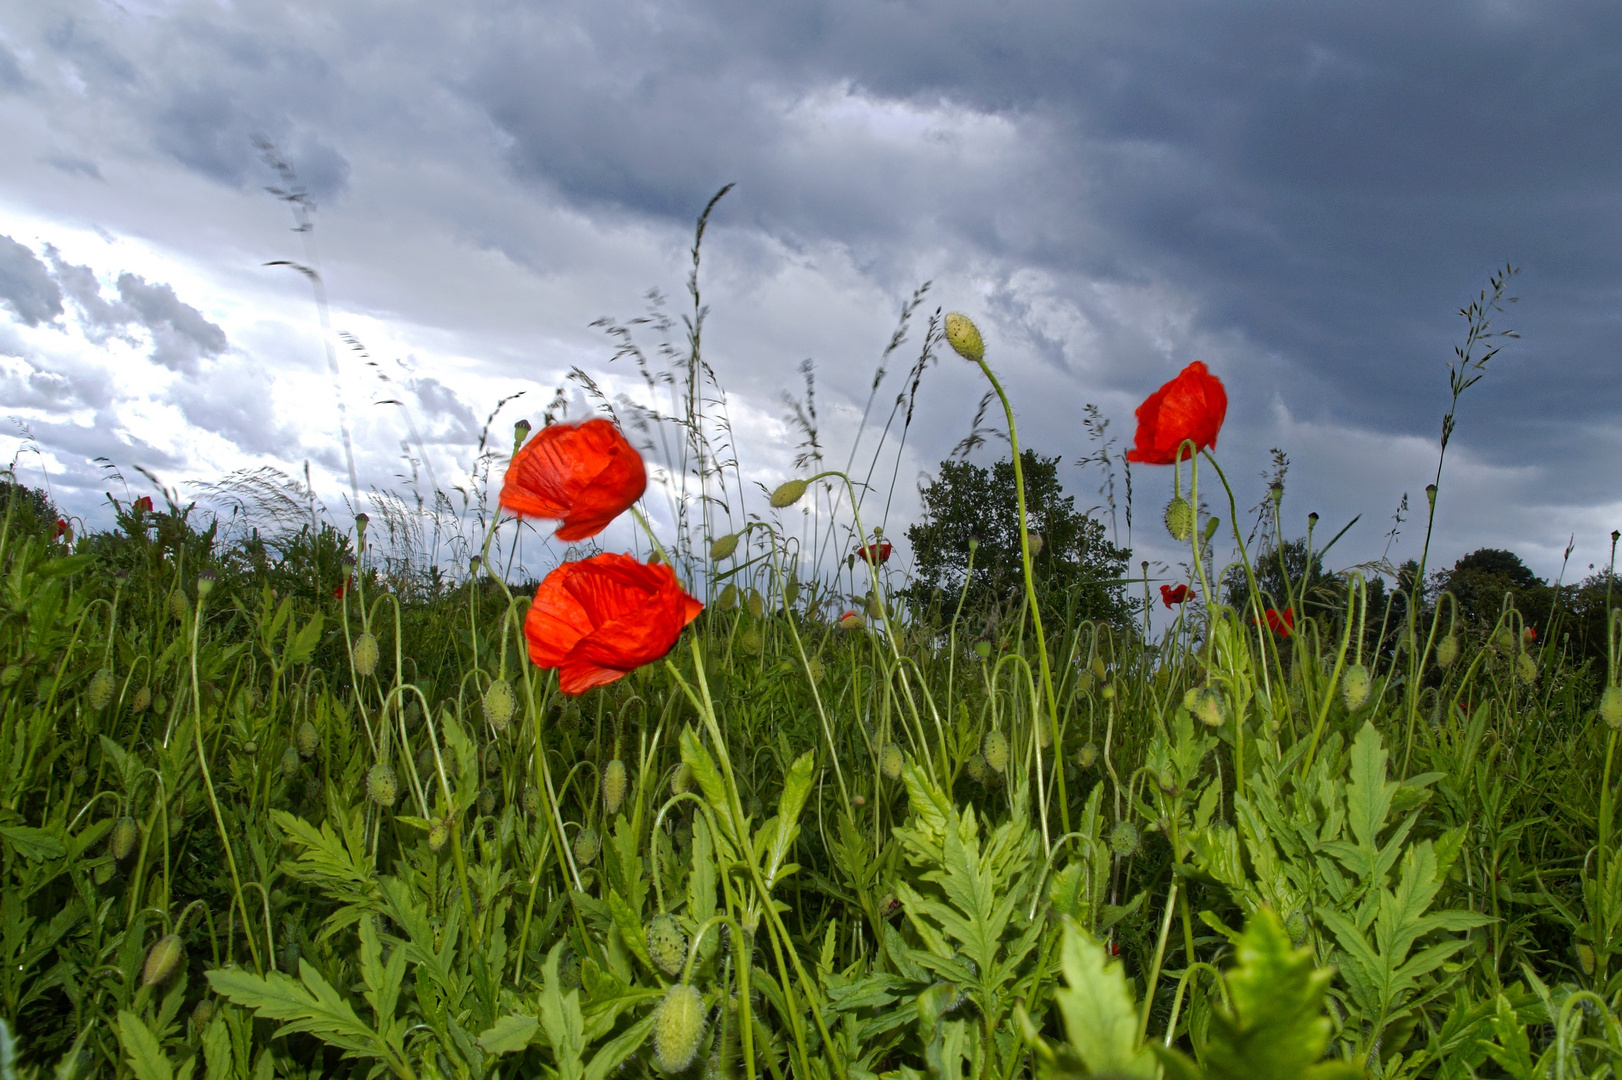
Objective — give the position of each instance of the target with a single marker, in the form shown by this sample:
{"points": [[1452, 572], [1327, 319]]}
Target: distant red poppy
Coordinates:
{"points": [[1529, 635], [1282, 625], [879, 552], [584, 475], [343, 586], [600, 618], [1191, 406], [852, 620], [64, 531], [143, 505], [1174, 594]]}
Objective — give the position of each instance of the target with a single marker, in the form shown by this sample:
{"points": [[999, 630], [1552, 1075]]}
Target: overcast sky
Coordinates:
{"points": [[1301, 195]]}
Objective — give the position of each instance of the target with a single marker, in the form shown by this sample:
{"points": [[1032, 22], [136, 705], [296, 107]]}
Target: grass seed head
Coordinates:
{"points": [[162, 960], [615, 781], [100, 690], [365, 654], [499, 704], [678, 1028], [667, 945], [964, 337], [381, 786]]}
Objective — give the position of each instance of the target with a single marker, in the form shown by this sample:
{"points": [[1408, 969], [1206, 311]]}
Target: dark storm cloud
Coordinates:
{"points": [[26, 286]]}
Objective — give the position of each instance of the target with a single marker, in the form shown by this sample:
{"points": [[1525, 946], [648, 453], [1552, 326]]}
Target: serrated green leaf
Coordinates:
{"points": [[146, 1058], [1099, 1014], [509, 1034]]}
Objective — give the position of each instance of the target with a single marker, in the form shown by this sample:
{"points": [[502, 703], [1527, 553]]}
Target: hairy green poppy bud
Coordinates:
{"points": [[1099, 671], [1447, 651], [142, 698], [1610, 706], [1044, 734], [10, 674], [678, 1028], [788, 493], [123, 837], [100, 690], [964, 337], [1123, 840], [586, 846], [103, 873], [290, 956], [1355, 685], [994, 748], [179, 606], [290, 760], [1035, 541], [749, 642], [756, 605], [615, 781], [1210, 707], [162, 960], [977, 768], [1526, 668], [722, 547], [365, 654], [79, 776], [438, 835], [813, 668], [308, 739], [160, 703], [667, 945], [1296, 927], [499, 704], [381, 787], [531, 800], [202, 1014], [791, 591], [1179, 519], [682, 779], [982, 649], [891, 760], [1087, 755], [1585, 957], [487, 802], [250, 748], [728, 598]]}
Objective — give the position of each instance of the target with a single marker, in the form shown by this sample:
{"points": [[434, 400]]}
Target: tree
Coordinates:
{"points": [[1076, 566], [1311, 588], [1482, 579]]}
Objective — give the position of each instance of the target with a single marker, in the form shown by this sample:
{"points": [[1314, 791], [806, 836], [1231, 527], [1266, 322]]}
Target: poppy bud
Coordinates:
{"points": [[852, 620], [1179, 519], [142, 698], [1585, 957], [1447, 651], [122, 841], [366, 654], [891, 760], [976, 766], [723, 547], [487, 802], [682, 780], [1210, 707], [290, 760], [178, 605], [1355, 685], [499, 704], [788, 493], [1296, 927], [586, 846], [1044, 735], [162, 960], [438, 835], [1123, 840], [531, 800], [1167, 782], [678, 1028], [1526, 668], [994, 748], [756, 605], [100, 690], [615, 781], [202, 1014], [1610, 706], [964, 337], [813, 668], [381, 786], [80, 776], [10, 675], [308, 739], [728, 598], [1036, 544], [1211, 525], [667, 945], [250, 748], [1086, 756]]}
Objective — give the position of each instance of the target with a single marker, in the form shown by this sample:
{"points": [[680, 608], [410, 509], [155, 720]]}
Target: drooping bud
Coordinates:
{"points": [[1210, 707], [976, 765], [499, 704], [678, 1028], [530, 800], [308, 739], [891, 761], [1179, 519], [1036, 544], [1355, 685], [290, 760], [1123, 840], [1086, 756], [1044, 734], [202, 1013], [1447, 651], [381, 787], [586, 846], [142, 698], [852, 620], [756, 605], [964, 337], [487, 802], [178, 605], [615, 781], [100, 690], [165, 955], [1526, 668], [438, 836], [366, 654], [728, 598], [788, 493], [1296, 927], [994, 748], [722, 547], [667, 945], [1610, 706], [682, 780], [122, 840]]}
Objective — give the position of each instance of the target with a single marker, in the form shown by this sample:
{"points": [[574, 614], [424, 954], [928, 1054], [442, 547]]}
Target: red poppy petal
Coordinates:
{"points": [[575, 677], [557, 620]]}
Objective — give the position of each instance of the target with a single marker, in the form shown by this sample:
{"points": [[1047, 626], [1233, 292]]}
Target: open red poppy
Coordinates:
{"points": [[600, 618], [1280, 624], [1174, 594], [873, 553], [584, 475], [143, 505], [1191, 406], [63, 529]]}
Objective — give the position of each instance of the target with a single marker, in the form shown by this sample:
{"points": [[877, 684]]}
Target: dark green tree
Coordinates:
{"points": [[1482, 579], [1314, 591], [1077, 568]]}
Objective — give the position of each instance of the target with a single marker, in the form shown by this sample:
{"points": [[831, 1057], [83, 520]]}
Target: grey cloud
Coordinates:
{"points": [[75, 166], [12, 79], [26, 286], [233, 400], [100, 318], [181, 336], [96, 61], [457, 423]]}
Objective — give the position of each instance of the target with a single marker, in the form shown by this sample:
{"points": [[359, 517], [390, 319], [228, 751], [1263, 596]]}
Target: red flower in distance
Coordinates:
{"points": [[64, 531], [878, 553], [601, 618], [1191, 406], [343, 586], [584, 475], [1170, 595], [143, 505], [1529, 635], [1282, 625]]}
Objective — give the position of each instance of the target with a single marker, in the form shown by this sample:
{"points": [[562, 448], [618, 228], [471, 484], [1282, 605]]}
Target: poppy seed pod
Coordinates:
{"points": [[161, 961], [1180, 519], [964, 337], [122, 840], [678, 1028], [381, 787], [891, 761], [586, 846], [722, 547], [499, 704], [788, 493], [995, 750], [1355, 685], [308, 739], [205, 583], [615, 781], [366, 654], [1610, 706], [667, 945], [100, 690]]}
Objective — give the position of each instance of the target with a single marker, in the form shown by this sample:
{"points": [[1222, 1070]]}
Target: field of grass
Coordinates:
{"points": [[289, 805]]}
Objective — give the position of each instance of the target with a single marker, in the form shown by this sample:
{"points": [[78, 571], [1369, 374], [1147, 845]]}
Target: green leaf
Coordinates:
{"points": [[796, 786], [308, 1004], [33, 844], [509, 1034], [618, 1049], [145, 1056], [301, 647], [1099, 1014]]}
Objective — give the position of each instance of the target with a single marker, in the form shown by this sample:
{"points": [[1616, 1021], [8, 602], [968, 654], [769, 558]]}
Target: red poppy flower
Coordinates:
{"points": [[584, 475], [1282, 625], [343, 586], [63, 529], [1529, 635], [852, 620], [1174, 594], [143, 505], [879, 552], [1191, 406], [600, 618]]}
